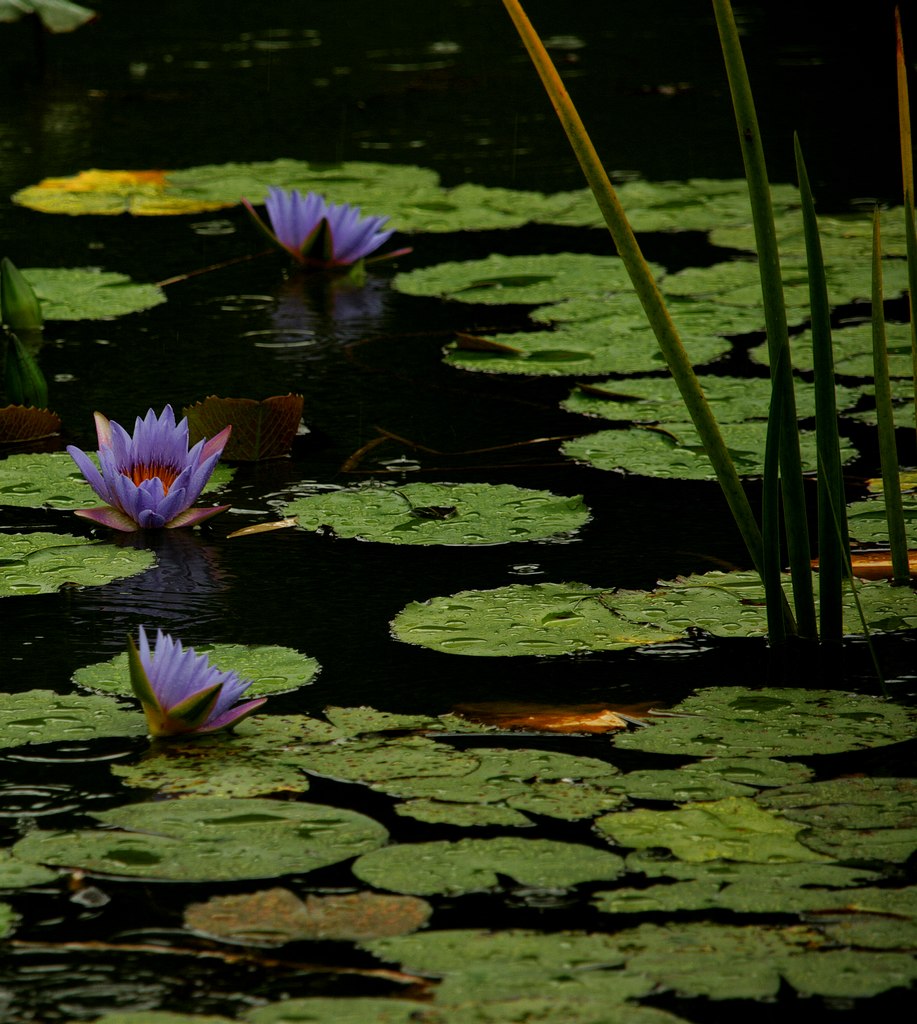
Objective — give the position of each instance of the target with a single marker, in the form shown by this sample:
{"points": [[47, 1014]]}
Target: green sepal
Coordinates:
{"points": [[24, 382], [193, 711], [140, 682], [319, 244], [18, 302]]}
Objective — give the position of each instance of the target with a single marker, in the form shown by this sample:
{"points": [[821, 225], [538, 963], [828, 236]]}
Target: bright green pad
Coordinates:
{"points": [[42, 716]]}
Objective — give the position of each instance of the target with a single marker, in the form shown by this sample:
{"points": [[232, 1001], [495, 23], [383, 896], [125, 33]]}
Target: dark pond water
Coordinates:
{"points": [[445, 86]]}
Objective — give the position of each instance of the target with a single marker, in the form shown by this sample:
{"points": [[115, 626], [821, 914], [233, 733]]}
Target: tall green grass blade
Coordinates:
{"points": [[888, 452], [833, 541], [907, 177], [770, 524], [644, 285], [797, 532]]}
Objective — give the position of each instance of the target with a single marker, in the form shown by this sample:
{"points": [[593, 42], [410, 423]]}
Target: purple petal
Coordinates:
{"points": [[108, 516]]}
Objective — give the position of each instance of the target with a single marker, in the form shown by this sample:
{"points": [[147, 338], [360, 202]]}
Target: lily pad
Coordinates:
{"points": [[41, 563], [41, 716], [474, 865], [853, 818], [736, 720], [658, 400], [533, 280], [379, 760], [422, 513], [711, 779], [734, 828], [732, 605], [17, 874], [208, 839], [8, 920], [580, 349], [274, 917], [461, 815], [852, 350], [867, 522], [88, 293], [674, 450], [52, 480], [260, 430], [340, 1010], [271, 669], [546, 618], [24, 423]]}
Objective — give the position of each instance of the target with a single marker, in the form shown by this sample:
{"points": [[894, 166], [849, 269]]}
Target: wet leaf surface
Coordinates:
{"points": [[41, 716], [736, 721], [208, 839], [483, 513], [546, 618], [88, 293], [475, 865]]}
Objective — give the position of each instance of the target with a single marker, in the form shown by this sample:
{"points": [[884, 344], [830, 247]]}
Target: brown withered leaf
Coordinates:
{"points": [[875, 565], [478, 343], [260, 430], [594, 718], [25, 423], [274, 917]]}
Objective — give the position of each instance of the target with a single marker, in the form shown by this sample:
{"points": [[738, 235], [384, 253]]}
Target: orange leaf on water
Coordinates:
{"points": [[25, 423], [594, 718], [875, 565], [260, 430]]}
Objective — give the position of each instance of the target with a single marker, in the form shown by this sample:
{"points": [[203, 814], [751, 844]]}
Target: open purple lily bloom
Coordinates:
{"points": [[320, 234], [151, 479], [181, 692]]}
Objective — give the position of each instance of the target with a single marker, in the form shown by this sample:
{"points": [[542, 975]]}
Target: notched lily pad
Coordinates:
{"points": [[271, 669], [735, 720], [547, 618], [260, 430], [474, 865], [422, 513], [41, 563], [273, 917], [208, 839], [42, 716]]}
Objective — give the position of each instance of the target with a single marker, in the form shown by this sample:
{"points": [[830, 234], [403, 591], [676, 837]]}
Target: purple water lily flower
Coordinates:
{"points": [[320, 234], [151, 479], [181, 692]]}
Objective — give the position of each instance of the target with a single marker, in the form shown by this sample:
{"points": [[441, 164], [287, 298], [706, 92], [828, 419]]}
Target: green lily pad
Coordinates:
{"points": [[422, 513], [711, 779], [502, 280], [271, 669], [361, 720], [658, 400], [265, 754], [16, 874], [462, 815], [41, 563], [8, 920], [41, 716], [474, 865], [274, 917], [852, 350], [547, 618], [674, 450], [732, 605], [738, 283], [339, 1010], [852, 818], [159, 1017], [210, 839], [734, 828], [52, 481], [581, 349], [735, 720], [88, 293], [867, 522]]}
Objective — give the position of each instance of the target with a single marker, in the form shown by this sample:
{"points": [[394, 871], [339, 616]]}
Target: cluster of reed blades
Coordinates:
{"points": [[783, 481]]}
